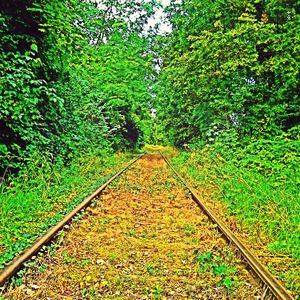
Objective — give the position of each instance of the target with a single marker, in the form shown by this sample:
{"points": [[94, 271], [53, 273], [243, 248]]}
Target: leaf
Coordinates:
{"points": [[34, 47]]}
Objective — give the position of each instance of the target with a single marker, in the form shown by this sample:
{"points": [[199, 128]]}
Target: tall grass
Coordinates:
{"points": [[267, 202], [257, 200], [42, 193]]}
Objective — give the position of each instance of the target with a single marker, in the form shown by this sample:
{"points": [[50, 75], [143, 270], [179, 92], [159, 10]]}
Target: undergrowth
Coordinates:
{"points": [[260, 189], [259, 186], [43, 193]]}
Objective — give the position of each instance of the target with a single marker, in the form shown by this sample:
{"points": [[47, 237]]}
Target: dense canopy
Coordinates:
{"points": [[77, 75]]}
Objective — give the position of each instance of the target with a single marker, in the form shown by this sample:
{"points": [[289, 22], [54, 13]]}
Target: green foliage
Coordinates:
{"points": [[210, 262], [152, 270], [74, 75], [157, 292], [230, 65], [25, 100], [228, 90], [260, 185], [115, 89], [79, 77], [189, 229], [43, 194]]}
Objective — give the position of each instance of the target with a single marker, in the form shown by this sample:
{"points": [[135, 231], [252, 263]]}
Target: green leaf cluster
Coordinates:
{"points": [[230, 66], [74, 75]]}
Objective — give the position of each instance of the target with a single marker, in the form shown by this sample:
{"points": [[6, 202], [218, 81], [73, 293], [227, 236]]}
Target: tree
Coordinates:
{"points": [[74, 76], [230, 66]]}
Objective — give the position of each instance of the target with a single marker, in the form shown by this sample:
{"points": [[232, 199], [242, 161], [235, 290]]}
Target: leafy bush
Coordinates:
{"points": [[73, 76]]}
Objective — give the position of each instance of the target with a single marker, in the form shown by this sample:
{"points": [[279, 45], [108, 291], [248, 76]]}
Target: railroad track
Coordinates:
{"points": [[16, 264], [269, 284], [275, 287]]}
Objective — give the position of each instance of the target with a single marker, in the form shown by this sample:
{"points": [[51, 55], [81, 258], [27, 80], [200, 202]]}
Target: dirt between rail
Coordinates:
{"points": [[144, 239]]}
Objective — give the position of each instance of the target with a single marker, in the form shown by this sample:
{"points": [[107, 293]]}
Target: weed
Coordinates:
{"points": [[204, 258], [43, 268], [222, 269], [131, 232], [144, 235], [52, 249], [118, 281], [84, 292], [78, 217], [257, 199], [92, 293], [112, 258], [67, 258], [104, 220], [58, 190], [157, 292], [84, 262], [170, 254], [133, 186], [169, 184], [260, 189], [100, 229], [189, 229], [16, 281], [152, 270], [209, 261], [227, 282]]}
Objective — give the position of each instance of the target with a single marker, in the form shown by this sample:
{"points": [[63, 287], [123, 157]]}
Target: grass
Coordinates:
{"points": [[264, 204], [151, 269], [157, 292], [189, 229], [42, 194], [259, 201], [273, 210], [146, 250], [225, 273], [131, 232]]}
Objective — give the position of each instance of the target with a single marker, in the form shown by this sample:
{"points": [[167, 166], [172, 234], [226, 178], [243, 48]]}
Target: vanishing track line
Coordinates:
{"points": [[149, 238], [275, 287], [16, 264]]}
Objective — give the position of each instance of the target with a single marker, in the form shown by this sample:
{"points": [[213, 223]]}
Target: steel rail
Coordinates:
{"points": [[16, 264], [267, 278]]}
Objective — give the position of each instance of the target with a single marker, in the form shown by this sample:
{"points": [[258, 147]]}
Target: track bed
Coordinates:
{"points": [[144, 239]]}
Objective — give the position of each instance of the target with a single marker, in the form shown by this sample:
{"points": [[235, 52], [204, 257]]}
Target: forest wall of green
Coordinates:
{"points": [[72, 79], [230, 71]]}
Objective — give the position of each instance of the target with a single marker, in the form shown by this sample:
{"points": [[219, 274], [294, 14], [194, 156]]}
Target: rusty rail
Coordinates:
{"points": [[277, 289], [16, 264]]}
